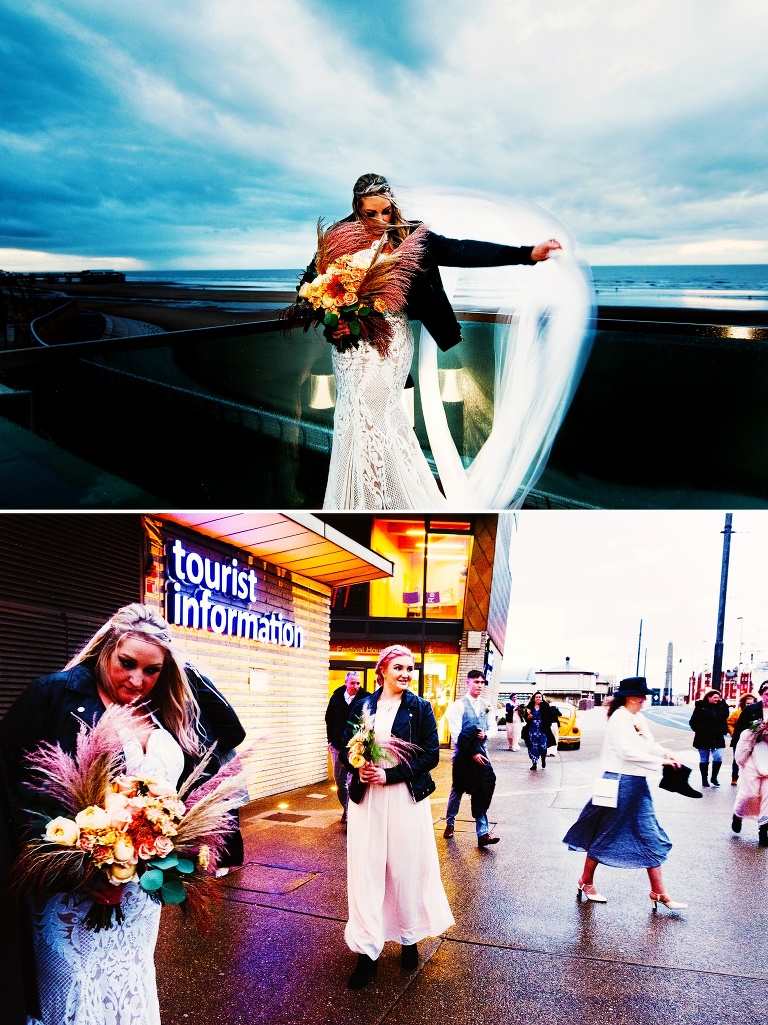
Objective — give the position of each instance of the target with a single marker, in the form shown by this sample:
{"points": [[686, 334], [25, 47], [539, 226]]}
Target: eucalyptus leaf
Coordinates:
{"points": [[185, 866], [173, 891], [364, 311], [171, 861], [354, 327], [151, 880]]}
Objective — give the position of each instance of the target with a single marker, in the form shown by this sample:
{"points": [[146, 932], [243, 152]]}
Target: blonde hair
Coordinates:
{"points": [[377, 185], [172, 694], [387, 655]]}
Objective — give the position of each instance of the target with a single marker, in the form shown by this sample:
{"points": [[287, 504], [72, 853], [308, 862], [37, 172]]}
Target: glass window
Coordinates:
{"points": [[440, 688], [402, 594], [344, 661], [447, 566], [435, 584]]}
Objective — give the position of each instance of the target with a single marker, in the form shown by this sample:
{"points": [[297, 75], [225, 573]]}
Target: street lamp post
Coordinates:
{"points": [[717, 663]]}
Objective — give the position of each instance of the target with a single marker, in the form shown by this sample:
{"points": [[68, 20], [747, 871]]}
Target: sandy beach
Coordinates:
{"points": [[174, 307]]}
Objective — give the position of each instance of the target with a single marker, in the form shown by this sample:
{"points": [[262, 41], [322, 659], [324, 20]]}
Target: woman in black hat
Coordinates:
{"points": [[627, 835]]}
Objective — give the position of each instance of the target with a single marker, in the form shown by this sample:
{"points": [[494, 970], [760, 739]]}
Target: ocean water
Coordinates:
{"points": [[703, 286]]}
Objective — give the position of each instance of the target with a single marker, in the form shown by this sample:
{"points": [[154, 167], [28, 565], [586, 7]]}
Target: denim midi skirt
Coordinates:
{"points": [[628, 836]]}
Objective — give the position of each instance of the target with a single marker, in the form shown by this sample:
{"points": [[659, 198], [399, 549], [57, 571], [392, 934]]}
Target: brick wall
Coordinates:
{"points": [[475, 659], [279, 693]]}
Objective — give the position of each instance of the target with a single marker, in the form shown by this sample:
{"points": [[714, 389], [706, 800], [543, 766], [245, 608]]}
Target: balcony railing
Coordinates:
{"points": [[669, 412]]}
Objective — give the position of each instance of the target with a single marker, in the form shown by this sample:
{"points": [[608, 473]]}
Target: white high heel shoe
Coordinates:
{"points": [[590, 893], [666, 900]]}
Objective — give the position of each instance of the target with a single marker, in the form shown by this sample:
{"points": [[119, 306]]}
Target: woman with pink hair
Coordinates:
{"points": [[393, 874]]}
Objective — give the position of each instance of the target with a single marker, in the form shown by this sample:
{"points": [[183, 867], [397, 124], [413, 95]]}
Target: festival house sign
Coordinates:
{"points": [[209, 593]]}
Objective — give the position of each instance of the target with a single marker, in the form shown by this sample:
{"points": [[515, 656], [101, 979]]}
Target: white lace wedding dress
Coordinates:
{"points": [[376, 459], [105, 977]]}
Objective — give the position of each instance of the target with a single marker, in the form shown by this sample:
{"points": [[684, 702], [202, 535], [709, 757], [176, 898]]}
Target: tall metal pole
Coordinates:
{"points": [[639, 642], [717, 661], [668, 679]]}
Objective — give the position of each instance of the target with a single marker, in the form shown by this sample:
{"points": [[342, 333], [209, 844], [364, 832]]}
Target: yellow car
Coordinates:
{"points": [[569, 736]]}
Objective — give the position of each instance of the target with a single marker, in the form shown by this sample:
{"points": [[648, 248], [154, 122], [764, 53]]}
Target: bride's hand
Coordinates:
{"points": [[544, 249], [340, 330], [372, 774]]}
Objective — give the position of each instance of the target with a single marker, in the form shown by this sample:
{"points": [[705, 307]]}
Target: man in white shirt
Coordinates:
{"points": [[470, 714], [336, 719]]}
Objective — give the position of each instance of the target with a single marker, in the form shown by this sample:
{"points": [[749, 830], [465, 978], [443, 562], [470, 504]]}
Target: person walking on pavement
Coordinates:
{"points": [[751, 736], [627, 835], [469, 715], [336, 719], [733, 718], [537, 733], [513, 723], [709, 722]]}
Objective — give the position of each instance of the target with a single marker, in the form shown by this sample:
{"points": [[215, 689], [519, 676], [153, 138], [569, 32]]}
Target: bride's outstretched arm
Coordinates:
{"points": [[544, 250]]}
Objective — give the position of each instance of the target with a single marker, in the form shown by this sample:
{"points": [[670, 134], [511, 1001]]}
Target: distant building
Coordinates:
{"points": [[447, 599], [568, 682]]}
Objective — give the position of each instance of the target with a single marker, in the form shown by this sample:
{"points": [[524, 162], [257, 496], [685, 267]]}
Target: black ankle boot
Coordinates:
{"points": [[762, 836], [364, 970], [715, 773], [736, 824], [704, 770], [410, 957], [544, 760]]}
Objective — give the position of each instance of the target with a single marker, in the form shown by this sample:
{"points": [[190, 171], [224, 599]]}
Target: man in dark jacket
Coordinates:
{"points": [[471, 720], [336, 719]]}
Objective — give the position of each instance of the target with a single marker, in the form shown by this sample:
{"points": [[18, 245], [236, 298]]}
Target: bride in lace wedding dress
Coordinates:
{"points": [[106, 976], [376, 459], [89, 977]]}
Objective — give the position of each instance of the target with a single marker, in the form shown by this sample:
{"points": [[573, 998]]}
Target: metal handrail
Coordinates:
{"points": [[632, 319], [51, 355]]}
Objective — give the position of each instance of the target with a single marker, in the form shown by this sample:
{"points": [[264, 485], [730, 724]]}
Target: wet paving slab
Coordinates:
{"points": [[522, 946]]}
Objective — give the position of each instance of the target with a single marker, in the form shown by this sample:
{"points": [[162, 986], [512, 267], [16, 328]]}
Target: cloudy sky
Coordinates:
{"points": [[582, 581], [213, 133]]}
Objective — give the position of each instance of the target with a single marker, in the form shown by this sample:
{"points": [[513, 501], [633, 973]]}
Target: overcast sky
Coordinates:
{"points": [[582, 581], [213, 133]]}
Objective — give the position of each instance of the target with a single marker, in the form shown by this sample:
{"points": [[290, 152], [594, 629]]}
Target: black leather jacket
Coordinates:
{"points": [[414, 722], [427, 300], [54, 707], [752, 713], [549, 717]]}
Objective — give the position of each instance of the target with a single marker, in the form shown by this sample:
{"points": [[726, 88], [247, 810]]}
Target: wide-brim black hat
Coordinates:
{"points": [[633, 687]]}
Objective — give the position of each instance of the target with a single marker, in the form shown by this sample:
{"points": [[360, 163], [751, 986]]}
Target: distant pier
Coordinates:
{"points": [[71, 277]]}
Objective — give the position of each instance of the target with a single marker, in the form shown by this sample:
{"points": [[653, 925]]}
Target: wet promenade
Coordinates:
{"points": [[522, 948]]}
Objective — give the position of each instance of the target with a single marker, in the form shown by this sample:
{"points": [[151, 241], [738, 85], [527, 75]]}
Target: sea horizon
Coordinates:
{"points": [[709, 286]]}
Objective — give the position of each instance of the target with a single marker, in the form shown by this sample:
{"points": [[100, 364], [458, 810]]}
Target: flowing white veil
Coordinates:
{"points": [[542, 337]]}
